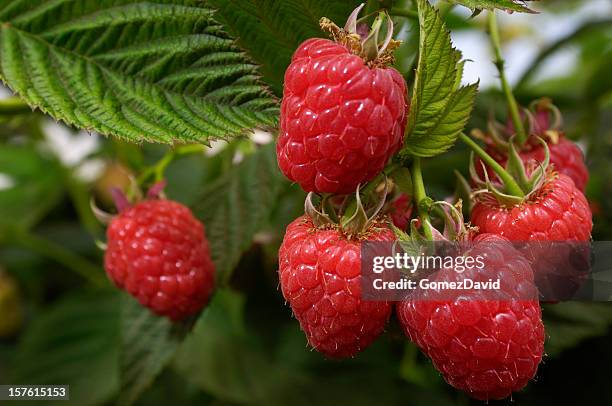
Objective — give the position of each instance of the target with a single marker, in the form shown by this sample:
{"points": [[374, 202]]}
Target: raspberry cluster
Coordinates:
{"points": [[342, 118]]}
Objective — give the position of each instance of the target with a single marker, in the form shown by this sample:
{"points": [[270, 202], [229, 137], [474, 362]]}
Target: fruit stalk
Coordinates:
{"points": [[159, 168], [499, 63], [402, 12], [420, 197], [14, 105], [511, 185], [381, 177]]}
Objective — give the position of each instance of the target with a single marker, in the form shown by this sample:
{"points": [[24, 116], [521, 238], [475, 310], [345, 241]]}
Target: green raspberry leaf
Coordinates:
{"points": [[271, 30], [237, 205], [507, 5], [440, 108], [74, 342], [148, 344], [571, 323], [224, 358], [159, 71]]}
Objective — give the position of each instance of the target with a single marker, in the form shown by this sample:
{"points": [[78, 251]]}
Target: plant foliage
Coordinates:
{"points": [[440, 107], [161, 71]]}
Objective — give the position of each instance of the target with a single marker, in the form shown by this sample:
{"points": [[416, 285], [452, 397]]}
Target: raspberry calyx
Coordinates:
{"points": [[367, 45]]}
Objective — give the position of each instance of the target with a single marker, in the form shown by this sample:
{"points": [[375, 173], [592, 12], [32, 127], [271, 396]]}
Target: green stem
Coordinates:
{"points": [[352, 206], [511, 185], [402, 12], [61, 255], [499, 63], [371, 7], [14, 105], [189, 149], [445, 8], [420, 197], [160, 167]]}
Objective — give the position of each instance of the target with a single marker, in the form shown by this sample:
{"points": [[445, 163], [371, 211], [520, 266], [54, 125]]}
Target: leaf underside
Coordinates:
{"points": [[440, 108], [162, 71]]}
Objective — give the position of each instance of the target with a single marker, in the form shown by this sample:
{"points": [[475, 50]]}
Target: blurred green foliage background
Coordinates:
{"points": [[61, 322]]}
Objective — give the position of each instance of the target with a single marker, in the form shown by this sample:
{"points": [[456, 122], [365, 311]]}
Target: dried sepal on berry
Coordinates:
{"points": [[368, 45], [542, 120], [352, 218], [320, 276]]}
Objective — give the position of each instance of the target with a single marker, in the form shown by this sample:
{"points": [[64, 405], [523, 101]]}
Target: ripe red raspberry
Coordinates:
{"points": [[544, 121], [341, 120], [487, 348], [557, 211], [401, 211], [320, 277], [565, 157], [158, 252]]}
